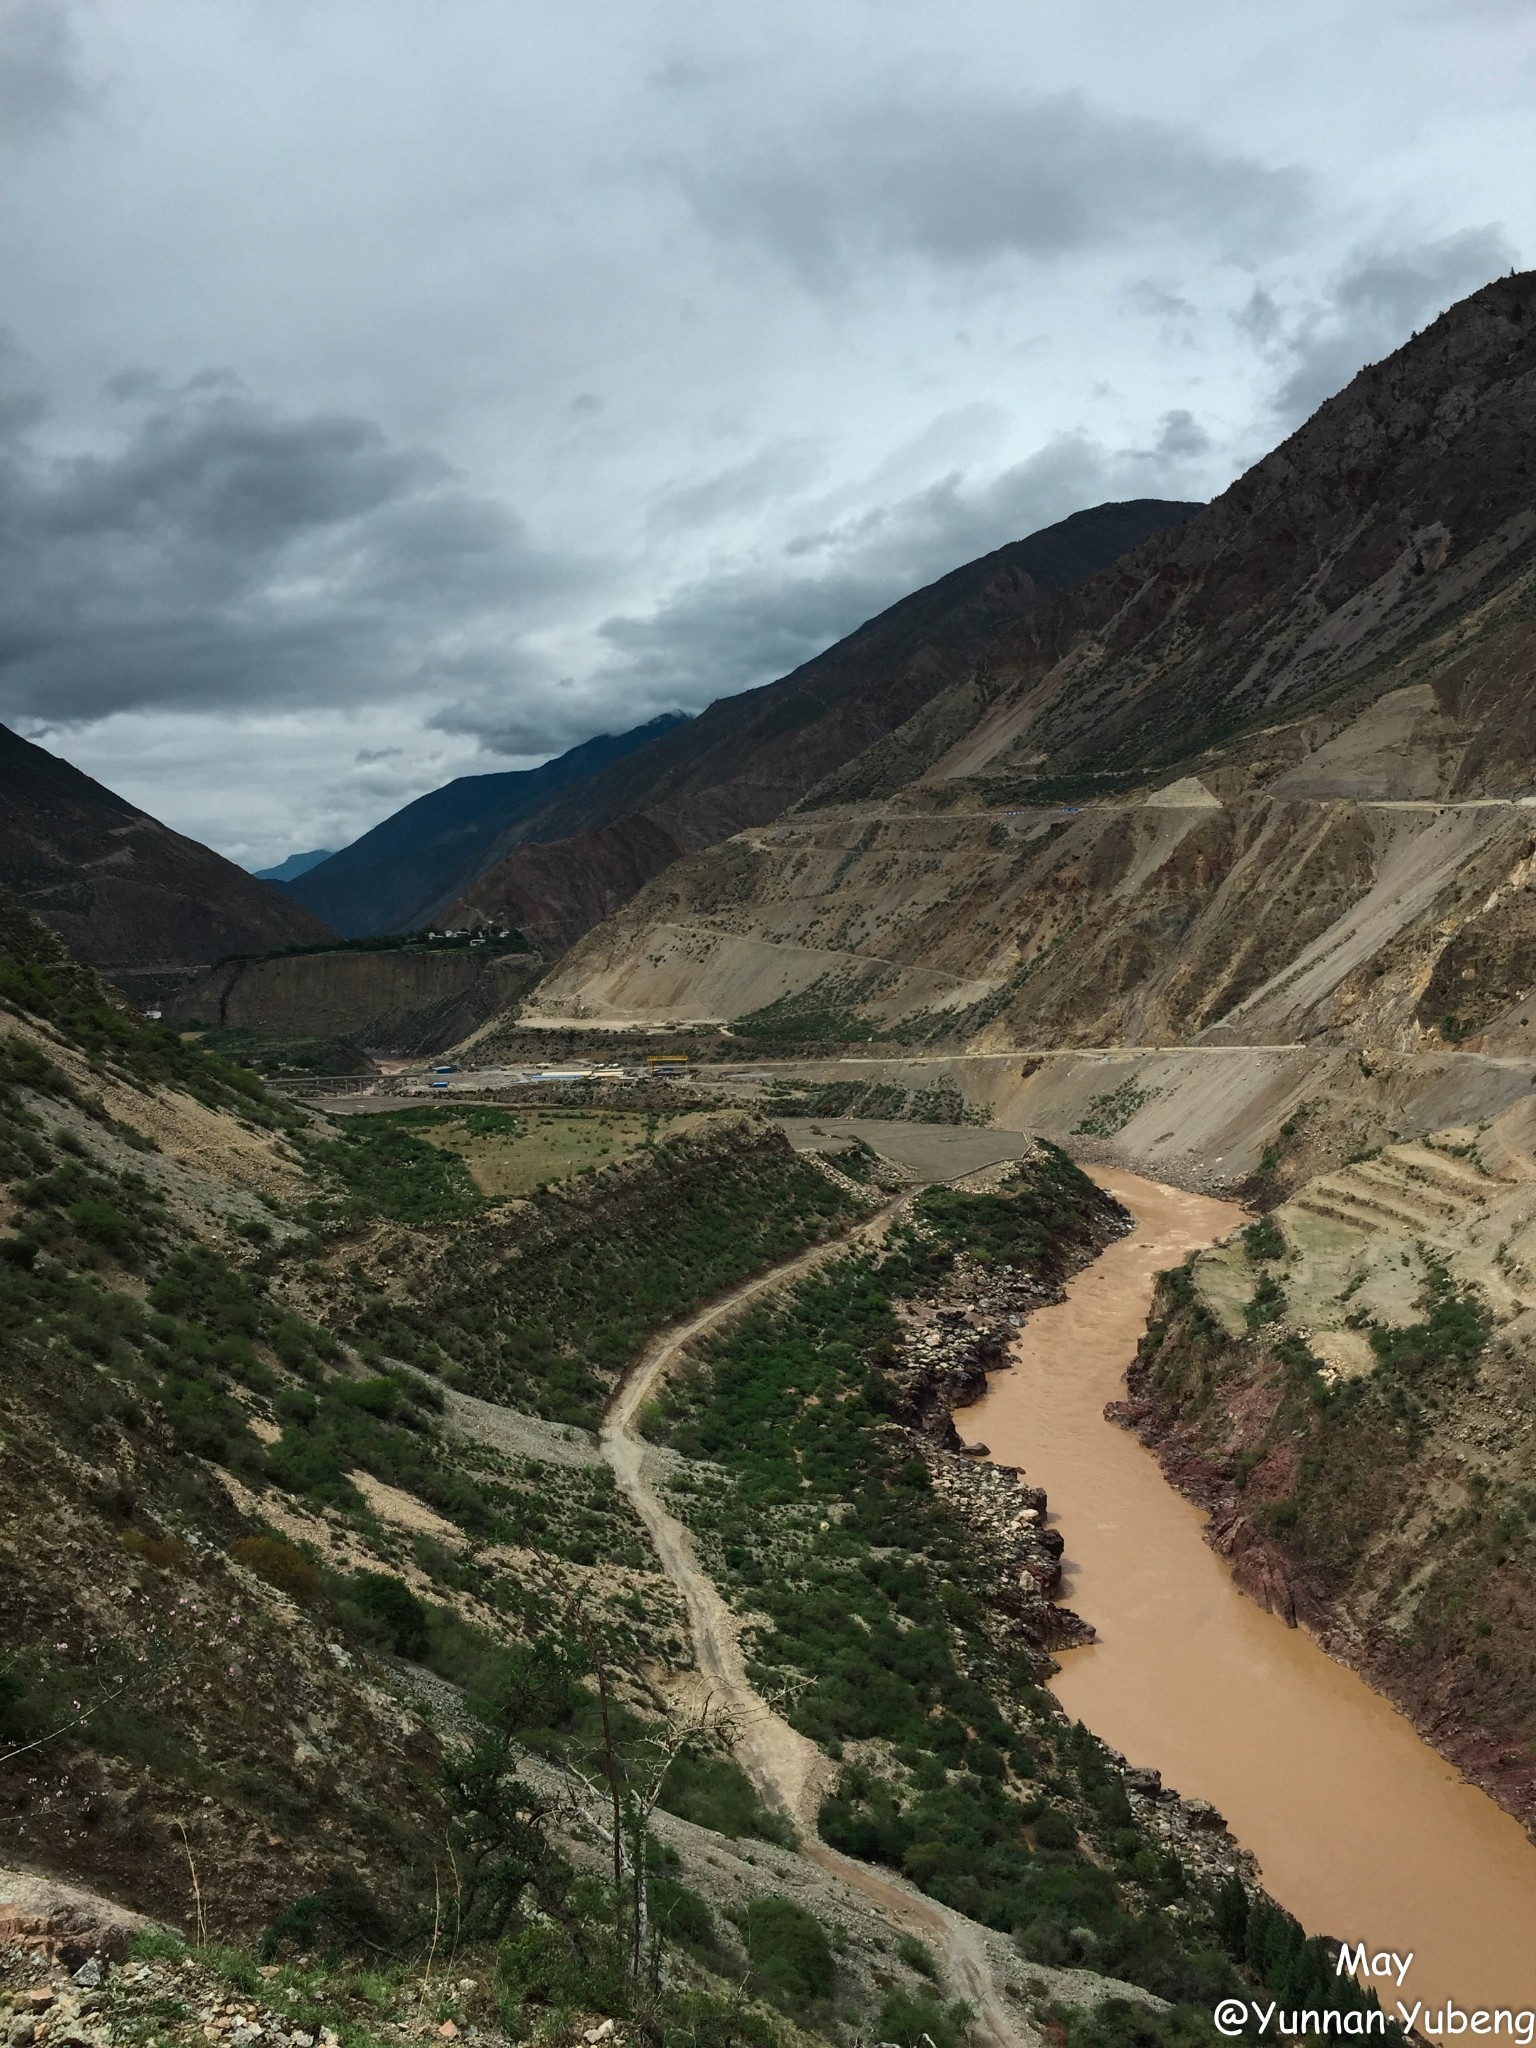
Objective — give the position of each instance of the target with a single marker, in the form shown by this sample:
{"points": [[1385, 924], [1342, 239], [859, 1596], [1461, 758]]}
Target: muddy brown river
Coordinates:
{"points": [[1360, 1828]]}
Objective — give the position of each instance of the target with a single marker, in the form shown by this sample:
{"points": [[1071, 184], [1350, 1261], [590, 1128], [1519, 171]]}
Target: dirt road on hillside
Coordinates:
{"points": [[786, 1767]]}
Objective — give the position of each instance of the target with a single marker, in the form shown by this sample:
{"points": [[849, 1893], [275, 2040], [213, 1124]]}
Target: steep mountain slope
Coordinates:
{"points": [[746, 758], [1403, 504], [295, 865], [1261, 780], [419, 999], [404, 872], [128, 894]]}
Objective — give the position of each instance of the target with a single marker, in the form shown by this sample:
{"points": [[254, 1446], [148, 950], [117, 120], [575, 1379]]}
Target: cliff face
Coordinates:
{"points": [[1263, 780], [125, 892]]}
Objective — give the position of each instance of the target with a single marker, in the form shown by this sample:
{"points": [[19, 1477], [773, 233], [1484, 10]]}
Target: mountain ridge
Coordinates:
{"points": [[126, 893], [1258, 780], [747, 757], [411, 865]]}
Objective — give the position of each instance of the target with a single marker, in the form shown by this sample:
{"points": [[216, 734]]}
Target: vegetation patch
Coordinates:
{"points": [[542, 1306], [824, 1012], [876, 1099], [513, 1152], [1108, 1114]]}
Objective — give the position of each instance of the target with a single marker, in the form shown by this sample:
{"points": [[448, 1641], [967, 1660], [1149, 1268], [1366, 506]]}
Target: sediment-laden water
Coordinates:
{"points": [[1361, 1829]]}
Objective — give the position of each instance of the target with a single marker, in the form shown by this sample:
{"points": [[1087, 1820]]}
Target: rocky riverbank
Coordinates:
{"points": [[950, 1342]]}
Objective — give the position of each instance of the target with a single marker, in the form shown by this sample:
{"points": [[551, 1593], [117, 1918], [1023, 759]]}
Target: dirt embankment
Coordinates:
{"points": [[389, 1002]]}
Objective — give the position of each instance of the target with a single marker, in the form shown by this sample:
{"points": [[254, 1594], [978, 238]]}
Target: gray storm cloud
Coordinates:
{"points": [[1367, 309], [42, 84], [587, 363], [220, 555], [961, 178]]}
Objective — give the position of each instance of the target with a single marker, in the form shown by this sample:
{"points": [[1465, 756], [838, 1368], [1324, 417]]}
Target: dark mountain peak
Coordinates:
{"points": [[125, 892], [295, 865]]}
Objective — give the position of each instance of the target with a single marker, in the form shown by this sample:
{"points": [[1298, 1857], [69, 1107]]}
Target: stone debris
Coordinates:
{"points": [[1191, 1827], [949, 1344], [185, 2003]]}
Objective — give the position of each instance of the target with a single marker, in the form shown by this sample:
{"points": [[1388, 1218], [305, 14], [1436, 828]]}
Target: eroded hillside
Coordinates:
{"points": [[1262, 782], [1349, 1386]]}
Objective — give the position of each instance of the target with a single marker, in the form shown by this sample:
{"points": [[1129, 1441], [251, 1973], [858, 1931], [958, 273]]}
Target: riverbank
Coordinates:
{"points": [[1360, 1829]]}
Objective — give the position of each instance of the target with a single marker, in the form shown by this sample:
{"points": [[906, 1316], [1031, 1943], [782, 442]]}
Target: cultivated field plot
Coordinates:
{"points": [[513, 1151]]}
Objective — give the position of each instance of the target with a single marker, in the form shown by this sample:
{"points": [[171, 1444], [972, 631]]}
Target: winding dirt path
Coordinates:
{"points": [[786, 1767]]}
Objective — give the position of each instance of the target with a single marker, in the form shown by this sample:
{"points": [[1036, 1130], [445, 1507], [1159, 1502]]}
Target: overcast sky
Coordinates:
{"points": [[395, 389]]}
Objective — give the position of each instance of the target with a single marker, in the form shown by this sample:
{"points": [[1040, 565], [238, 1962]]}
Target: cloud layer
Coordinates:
{"points": [[961, 178], [216, 555], [400, 391]]}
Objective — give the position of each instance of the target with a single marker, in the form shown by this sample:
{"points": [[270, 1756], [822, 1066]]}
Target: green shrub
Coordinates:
{"points": [[1267, 1304], [1453, 1332], [343, 1917], [715, 1792], [912, 1952], [401, 1618], [679, 1914], [911, 2019], [1263, 1239], [791, 1956], [101, 1223]]}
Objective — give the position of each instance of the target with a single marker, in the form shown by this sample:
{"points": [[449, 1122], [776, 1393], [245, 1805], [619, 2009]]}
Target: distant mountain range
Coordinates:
{"points": [[295, 865], [408, 870], [557, 849]]}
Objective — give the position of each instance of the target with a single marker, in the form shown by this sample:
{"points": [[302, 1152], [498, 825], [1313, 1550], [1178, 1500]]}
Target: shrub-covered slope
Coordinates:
{"points": [[259, 1557]]}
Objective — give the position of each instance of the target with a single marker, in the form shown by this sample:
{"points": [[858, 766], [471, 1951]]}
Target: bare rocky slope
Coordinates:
{"points": [[1262, 782], [747, 757], [129, 895]]}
